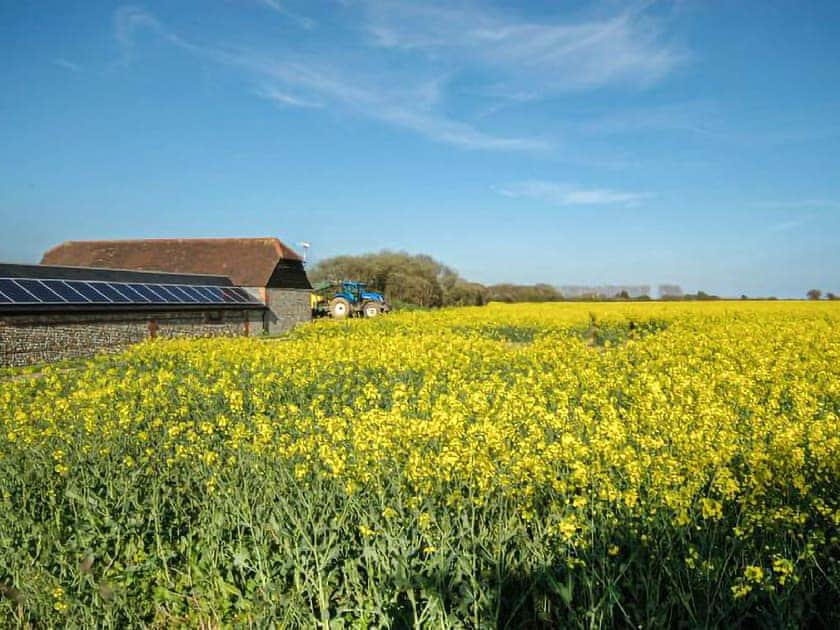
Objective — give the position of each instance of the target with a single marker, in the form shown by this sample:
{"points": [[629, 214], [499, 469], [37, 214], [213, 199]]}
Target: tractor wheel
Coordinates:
{"points": [[339, 308], [371, 309]]}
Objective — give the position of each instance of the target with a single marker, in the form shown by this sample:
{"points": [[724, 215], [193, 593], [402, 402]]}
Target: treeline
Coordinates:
{"points": [[420, 280], [523, 293], [816, 294], [405, 279], [691, 297], [409, 280]]}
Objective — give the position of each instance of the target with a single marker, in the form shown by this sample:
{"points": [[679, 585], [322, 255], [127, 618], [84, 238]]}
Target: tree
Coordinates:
{"points": [[523, 293], [464, 293], [670, 292], [830, 296], [406, 279], [702, 295], [814, 294]]}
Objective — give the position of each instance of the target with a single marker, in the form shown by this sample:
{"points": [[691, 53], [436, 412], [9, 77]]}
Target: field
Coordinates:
{"points": [[566, 465]]}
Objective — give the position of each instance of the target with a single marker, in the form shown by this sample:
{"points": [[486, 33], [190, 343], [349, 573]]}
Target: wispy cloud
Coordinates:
{"points": [[129, 20], [287, 100], [547, 55], [406, 105], [280, 7], [67, 65], [785, 226], [561, 194], [693, 116], [710, 120], [508, 59]]}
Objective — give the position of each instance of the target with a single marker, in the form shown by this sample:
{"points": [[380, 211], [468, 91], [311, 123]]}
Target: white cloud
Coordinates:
{"points": [[127, 20], [698, 117], [567, 195], [282, 98], [402, 104], [785, 226], [423, 52], [279, 7], [67, 65], [409, 108], [130, 20], [549, 55]]}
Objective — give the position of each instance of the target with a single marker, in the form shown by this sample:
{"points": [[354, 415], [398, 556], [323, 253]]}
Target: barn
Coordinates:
{"points": [[265, 267], [48, 313]]}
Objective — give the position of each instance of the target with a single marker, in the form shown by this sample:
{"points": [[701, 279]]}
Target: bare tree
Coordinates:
{"points": [[814, 294]]}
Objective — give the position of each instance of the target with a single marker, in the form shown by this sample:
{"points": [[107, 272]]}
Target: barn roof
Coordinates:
{"points": [[248, 262]]}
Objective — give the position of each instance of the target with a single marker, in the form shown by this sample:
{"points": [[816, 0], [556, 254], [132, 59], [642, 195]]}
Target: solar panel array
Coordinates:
{"points": [[29, 291]]}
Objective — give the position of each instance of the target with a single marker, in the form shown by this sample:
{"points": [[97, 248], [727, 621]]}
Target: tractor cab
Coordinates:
{"points": [[351, 291]]}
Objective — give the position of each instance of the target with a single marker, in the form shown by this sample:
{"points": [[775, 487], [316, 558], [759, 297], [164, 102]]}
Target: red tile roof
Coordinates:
{"points": [[247, 262]]}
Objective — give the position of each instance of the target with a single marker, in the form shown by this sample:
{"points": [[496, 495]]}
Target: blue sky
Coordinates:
{"points": [[568, 143]]}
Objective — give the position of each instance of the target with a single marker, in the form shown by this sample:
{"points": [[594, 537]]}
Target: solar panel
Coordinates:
{"points": [[246, 297], [67, 292], [98, 292], [89, 291], [181, 293], [16, 293], [147, 293], [42, 292], [213, 295], [110, 292], [165, 292], [194, 294], [230, 297], [133, 294]]}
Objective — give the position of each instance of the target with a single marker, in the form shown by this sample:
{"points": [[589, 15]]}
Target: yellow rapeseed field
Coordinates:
{"points": [[557, 465]]}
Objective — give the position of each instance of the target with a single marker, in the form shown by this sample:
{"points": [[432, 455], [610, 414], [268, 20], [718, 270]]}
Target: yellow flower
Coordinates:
{"points": [[567, 528], [711, 509], [59, 604], [696, 411], [783, 569], [754, 573], [740, 590]]}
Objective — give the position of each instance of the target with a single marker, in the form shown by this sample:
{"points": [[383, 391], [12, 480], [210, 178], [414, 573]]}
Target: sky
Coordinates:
{"points": [[688, 142]]}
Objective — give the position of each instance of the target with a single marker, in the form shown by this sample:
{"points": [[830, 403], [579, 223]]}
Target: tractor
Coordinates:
{"points": [[347, 299]]}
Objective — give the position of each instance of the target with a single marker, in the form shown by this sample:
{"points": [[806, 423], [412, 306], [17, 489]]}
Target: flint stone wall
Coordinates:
{"points": [[286, 308], [44, 338]]}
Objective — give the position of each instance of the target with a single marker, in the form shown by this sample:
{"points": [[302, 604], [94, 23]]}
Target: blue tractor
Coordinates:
{"points": [[347, 299]]}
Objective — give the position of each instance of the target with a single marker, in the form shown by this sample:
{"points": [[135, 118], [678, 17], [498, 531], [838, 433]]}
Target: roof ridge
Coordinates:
{"points": [[86, 267], [248, 260], [278, 246], [169, 238]]}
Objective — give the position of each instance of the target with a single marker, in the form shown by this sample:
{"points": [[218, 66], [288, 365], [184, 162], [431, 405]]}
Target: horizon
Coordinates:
{"points": [[642, 143], [570, 292]]}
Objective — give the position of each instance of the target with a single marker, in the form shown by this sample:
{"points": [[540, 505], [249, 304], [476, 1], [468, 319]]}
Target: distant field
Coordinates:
{"points": [[552, 465]]}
